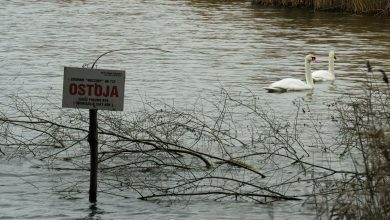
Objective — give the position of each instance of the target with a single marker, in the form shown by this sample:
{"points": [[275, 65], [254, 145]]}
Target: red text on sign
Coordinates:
{"points": [[93, 90]]}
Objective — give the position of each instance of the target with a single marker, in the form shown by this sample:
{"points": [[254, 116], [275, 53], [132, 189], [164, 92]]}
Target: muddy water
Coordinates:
{"points": [[177, 51]]}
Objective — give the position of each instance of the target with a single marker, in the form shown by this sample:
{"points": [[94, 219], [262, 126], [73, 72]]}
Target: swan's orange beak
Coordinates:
{"points": [[313, 59]]}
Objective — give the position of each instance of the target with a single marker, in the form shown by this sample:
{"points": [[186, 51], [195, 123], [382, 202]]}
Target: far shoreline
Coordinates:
{"points": [[366, 7]]}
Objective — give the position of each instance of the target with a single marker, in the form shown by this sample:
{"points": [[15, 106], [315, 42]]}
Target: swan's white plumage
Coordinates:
{"points": [[322, 75], [288, 84], [291, 84], [326, 75]]}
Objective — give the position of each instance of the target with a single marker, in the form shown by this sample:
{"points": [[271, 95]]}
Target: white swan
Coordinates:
{"points": [[290, 84], [323, 75]]}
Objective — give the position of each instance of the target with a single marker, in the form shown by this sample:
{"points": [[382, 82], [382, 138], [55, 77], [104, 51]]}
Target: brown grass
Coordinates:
{"points": [[380, 7]]}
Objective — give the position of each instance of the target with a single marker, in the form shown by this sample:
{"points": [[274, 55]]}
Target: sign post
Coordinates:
{"points": [[94, 151], [93, 89]]}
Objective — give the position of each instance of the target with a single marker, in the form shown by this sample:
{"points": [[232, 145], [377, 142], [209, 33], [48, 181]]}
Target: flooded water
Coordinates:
{"points": [[177, 51]]}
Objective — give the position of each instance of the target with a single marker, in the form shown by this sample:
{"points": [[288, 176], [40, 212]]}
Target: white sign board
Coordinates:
{"points": [[93, 89]]}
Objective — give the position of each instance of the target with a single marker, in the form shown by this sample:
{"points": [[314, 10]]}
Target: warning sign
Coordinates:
{"points": [[93, 89]]}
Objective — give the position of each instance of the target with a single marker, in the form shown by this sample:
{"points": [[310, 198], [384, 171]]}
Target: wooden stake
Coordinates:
{"points": [[93, 145]]}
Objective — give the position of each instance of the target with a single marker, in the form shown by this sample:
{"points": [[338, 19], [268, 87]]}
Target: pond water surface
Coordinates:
{"points": [[177, 51]]}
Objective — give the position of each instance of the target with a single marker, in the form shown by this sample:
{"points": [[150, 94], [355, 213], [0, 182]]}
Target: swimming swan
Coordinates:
{"points": [[323, 75], [290, 84]]}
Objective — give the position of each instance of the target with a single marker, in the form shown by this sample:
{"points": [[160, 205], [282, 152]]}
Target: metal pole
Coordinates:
{"points": [[93, 145]]}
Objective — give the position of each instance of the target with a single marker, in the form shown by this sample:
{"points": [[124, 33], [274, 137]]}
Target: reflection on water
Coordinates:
{"points": [[211, 45], [95, 212]]}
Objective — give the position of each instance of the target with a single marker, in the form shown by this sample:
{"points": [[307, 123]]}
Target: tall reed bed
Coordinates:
{"points": [[355, 6], [286, 3], [364, 122]]}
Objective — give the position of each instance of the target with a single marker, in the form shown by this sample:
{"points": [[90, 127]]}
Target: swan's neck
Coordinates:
{"points": [[331, 66], [309, 78]]}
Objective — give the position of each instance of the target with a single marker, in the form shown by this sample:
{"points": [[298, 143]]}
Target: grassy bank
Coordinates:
{"points": [[376, 7]]}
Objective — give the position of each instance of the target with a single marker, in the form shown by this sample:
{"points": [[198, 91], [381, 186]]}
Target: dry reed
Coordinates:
{"points": [[379, 7], [365, 128]]}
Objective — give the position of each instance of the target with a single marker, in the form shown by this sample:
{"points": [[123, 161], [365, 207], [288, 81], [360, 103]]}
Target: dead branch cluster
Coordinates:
{"points": [[233, 150], [232, 147]]}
